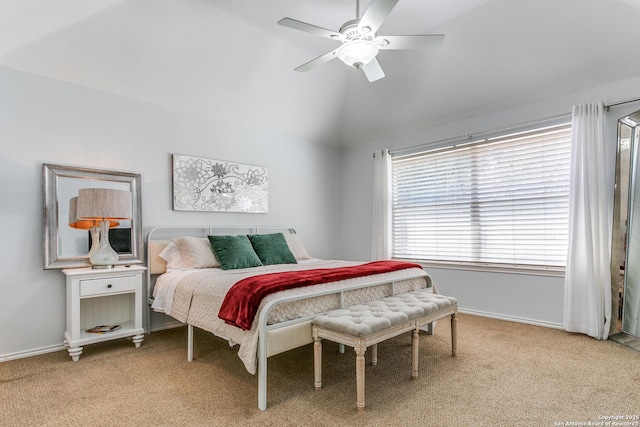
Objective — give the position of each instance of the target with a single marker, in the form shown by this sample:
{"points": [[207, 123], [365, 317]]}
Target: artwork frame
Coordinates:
{"points": [[209, 185]]}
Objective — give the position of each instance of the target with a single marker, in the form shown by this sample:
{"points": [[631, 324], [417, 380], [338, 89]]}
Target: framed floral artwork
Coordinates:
{"points": [[207, 185]]}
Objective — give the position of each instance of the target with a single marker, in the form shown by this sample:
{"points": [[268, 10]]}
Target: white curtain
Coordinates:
{"points": [[381, 233], [587, 293]]}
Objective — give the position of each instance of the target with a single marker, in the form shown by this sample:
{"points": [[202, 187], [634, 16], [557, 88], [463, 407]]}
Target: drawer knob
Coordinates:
{"points": [[109, 286]]}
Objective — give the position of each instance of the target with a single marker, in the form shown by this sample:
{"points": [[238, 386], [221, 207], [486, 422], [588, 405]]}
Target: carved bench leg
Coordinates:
{"points": [[317, 362], [454, 334], [360, 348], [415, 345]]}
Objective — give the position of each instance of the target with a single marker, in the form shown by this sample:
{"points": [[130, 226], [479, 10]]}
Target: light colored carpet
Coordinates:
{"points": [[505, 374]]}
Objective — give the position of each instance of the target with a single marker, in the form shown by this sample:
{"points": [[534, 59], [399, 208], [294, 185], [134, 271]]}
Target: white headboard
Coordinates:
{"points": [[158, 238], [155, 264]]}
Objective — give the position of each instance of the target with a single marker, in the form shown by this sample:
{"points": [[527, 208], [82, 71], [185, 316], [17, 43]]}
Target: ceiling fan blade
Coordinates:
{"points": [[373, 71], [303, 26], [376, 13], [318, 61], [409, 42]]}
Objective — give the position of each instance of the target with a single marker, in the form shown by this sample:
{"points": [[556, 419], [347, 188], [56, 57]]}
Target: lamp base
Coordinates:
{"points": [[98, 266], [95, 239], [104, 256]]}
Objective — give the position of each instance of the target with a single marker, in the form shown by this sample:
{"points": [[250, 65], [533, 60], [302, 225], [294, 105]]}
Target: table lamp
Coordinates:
{"points": [[83, 224], [104, 206]]}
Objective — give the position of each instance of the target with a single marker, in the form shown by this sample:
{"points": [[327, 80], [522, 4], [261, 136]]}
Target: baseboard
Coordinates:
{"points": [[157, 328], [166, 326], [512, 318], [33, 352], [59, 347]]}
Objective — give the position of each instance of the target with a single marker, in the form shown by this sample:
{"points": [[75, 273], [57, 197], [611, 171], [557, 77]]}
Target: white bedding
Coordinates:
{"points": [[166, 283], [195, 296]]}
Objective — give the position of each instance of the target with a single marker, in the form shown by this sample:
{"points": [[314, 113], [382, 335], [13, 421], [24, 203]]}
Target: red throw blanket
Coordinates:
{"points": [[243, 299]]}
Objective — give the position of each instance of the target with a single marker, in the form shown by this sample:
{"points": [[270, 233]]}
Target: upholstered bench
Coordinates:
{"points": [[365, 325]]}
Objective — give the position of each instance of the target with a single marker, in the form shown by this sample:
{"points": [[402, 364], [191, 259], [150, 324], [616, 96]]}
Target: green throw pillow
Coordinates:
{"points": [[272, 248], [234, 252]]}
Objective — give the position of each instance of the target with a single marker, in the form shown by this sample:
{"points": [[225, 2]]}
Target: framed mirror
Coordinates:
{"points": [[68, 247], [629, 142]]}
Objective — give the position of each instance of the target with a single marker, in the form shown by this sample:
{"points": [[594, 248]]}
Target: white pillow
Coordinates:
{"points": [[171, 255], [195, 252], [295, 246]]}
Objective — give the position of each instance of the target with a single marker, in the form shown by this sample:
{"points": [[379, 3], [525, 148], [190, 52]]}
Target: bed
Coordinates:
{"points": [[193, 271]]}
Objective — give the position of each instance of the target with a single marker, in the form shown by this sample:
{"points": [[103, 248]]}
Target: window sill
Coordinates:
{"points": [[492, 268]]}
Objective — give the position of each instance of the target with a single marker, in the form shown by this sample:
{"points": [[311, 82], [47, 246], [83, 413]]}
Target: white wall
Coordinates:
{"points": [[535, 299], [48, 121], [323, 192]]}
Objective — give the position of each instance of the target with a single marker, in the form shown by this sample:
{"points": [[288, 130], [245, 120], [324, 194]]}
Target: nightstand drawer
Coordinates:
{"points": [[89, 287]]}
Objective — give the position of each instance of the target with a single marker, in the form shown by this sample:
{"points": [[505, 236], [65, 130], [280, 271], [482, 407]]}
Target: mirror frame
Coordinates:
{"points": [[51, 175], [627, 310]]}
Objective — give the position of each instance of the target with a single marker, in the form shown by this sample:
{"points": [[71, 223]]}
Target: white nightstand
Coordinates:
{"points": [[103, 297]]}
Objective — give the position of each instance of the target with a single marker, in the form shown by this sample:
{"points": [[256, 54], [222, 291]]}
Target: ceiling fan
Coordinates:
{"points": [[360, 45]]}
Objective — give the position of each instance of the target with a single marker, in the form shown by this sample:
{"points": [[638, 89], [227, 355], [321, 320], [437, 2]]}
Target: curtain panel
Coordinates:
{"points": [[381, 232], [587, 294]]}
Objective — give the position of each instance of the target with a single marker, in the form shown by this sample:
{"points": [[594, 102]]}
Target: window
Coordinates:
{"points": [[502, 202]]}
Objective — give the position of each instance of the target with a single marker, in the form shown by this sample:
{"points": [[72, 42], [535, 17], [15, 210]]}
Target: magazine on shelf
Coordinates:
{"points": [[103, 329]]}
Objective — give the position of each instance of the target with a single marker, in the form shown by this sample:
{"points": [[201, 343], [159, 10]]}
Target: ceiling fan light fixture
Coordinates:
{"points": [[360, 45], [357, 53]]}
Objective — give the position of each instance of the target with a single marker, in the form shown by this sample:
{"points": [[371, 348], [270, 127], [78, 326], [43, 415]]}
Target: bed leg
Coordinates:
{"points": [[454, 334], [262, 367], [262, 383], [189, 343], [374, 354], [430, 328]]}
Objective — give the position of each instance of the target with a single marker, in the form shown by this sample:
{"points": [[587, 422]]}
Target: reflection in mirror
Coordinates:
{"points": [[66, 246], [72, 241], [619, 235]]}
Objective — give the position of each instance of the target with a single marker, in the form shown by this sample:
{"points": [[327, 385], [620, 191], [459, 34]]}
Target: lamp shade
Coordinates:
{"points": [[83, 224], [103, 204]]}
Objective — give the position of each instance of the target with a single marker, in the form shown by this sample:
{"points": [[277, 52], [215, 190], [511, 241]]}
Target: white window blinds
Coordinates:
{"points": [[501, 201]]}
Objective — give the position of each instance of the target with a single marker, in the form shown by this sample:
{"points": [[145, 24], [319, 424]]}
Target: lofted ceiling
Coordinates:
{"points": [[229, 60]]}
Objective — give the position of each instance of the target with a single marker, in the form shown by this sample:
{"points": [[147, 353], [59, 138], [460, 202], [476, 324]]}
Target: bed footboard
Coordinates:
{"points": [[304, 327]]}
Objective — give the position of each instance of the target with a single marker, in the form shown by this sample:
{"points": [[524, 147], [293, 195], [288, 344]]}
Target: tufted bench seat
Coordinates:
{"points": [[364, 325]]}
